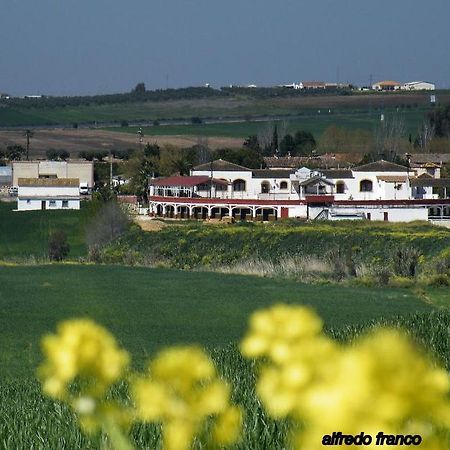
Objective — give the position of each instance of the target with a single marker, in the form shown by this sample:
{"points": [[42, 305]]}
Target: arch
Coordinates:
{"points": [[366, 186], [170, 211], [266, 213], [340, 187], [284, 185], [434, 211], [220, 186], [265, 187], [200, 212], [241, 213], [239, 185]]}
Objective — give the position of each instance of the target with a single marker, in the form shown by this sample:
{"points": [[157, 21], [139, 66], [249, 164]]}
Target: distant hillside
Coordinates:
{"points": [[201, 102]]}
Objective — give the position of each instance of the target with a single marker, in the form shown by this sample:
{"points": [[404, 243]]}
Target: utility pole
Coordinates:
{"points": [[110, 170], [140, 134], [28, 135]]}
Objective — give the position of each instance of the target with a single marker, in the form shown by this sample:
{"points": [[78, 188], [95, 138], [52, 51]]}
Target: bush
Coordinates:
{"points": [[401, 282], [438, 280], [58, 247]]}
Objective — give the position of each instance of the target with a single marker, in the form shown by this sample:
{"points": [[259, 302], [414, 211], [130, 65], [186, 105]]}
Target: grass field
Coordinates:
{"points": [[147, 309], [211, 107], [25, 234], [150, 308], [316, 124]]}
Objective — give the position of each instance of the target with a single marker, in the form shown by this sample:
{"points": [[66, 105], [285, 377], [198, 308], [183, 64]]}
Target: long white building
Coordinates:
{"points": [[376, 191]]}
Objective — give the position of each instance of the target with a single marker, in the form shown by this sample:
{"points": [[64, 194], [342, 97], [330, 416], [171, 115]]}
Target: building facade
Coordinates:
{"points": [[83, 170], [48, 193], [376, 191]]}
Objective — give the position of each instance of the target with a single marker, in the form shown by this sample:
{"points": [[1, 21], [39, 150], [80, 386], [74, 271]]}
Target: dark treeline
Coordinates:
{"points": [[130, 97], [142, 95]]}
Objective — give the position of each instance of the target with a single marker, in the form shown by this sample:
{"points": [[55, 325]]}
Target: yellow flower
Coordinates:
{"points": [[82, 349], [380, 382], [181, 391], [228, 426]]}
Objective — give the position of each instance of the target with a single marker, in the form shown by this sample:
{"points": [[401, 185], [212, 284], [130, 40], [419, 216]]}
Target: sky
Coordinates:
{"points": [[81, 47]]}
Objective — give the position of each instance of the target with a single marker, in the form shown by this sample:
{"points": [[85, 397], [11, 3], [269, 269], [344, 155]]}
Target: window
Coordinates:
{"points": [[52, 203], [222, 187], [238, 185], [283, 185], [28, 202], [340, 187], [265, 187], [366, 186], [65, 203]]}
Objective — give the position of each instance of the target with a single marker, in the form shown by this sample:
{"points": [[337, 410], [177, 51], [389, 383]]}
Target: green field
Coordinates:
{"points": [[213, 107], [150, 308], [316, 124], [25, 234]]}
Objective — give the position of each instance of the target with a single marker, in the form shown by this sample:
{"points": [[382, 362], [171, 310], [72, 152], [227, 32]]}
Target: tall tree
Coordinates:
{"points": [[275, 142]]}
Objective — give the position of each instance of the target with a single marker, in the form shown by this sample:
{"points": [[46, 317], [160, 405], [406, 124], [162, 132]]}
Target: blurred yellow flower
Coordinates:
{"points": [[181, 391], [381, 382], [81, 349]]}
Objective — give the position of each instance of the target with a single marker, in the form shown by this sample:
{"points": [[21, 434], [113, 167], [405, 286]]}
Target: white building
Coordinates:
{"points": [[388, 85], [83, 170], [48, 193], [377, 191], [418, 86]]}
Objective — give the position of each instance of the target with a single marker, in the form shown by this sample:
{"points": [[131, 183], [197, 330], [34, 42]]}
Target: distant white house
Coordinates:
{"points": [[418, 86], [48, 193], [388, 85]]}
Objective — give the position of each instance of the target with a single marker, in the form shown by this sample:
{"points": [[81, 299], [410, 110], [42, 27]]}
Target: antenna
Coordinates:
{"points": [[167, 81]]}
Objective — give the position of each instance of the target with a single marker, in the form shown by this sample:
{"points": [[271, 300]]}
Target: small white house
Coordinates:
{"points": [[48, 193]]}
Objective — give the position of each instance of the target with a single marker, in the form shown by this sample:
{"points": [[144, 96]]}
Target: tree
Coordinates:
{"points": [[252, 143], [425, 136], [265, 137], [58, 247], [275, 142], [139, 88], [287, 146], [15, 152], [139, 168], [440, 120], [304, 142], [388, 139], [109, 223], [55, 155]]}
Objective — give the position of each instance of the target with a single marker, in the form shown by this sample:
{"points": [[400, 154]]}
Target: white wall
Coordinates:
{"points": [[83, 170], [49, 191], [394, 214], [24, 204]]}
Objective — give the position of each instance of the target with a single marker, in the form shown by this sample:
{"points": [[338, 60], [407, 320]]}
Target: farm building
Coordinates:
{"points": [[83, 170], [418, 86], [386, 86], [48, 193], [377, 191]]}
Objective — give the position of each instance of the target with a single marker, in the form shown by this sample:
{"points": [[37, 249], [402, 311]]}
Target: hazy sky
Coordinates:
{"points": [[68, 47]]}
